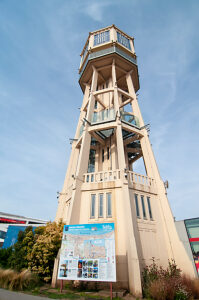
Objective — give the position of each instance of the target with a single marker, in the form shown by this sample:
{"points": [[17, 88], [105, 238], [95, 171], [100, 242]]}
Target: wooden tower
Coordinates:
{"points": [[100, 183]]}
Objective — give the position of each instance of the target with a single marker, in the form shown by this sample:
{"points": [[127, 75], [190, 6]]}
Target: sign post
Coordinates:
{"points": [[88, 253]]}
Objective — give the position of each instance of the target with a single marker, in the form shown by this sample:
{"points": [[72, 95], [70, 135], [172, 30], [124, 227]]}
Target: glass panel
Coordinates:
{"points": [[149, 207], [93, 196], [101, 37], [143, 207], [101, 205], [123, 40], [103, 115], [129, 118], [109, 206], [91, 163], [95, 104], [137, 206], [192, 227]]}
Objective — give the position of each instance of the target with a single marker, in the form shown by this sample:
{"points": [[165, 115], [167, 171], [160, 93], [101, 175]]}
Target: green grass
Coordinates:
{"points": [[55, 295], [69, 295]]}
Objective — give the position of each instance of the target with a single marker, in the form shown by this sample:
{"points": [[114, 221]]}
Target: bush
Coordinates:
{"points": [[35, 251], [4, 257], [44, 251], [18, 258], [169, 283], [19, 281]]}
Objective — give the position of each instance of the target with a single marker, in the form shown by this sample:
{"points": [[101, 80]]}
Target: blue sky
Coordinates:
{"points": [[40, 43]]}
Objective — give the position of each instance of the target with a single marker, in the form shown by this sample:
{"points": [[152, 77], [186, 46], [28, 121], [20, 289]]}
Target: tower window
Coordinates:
{"points": [[109, 205], [143, 207], [102, 155], [93, 197], [137, 206], [101, 200], [91, 163], [123, 40], [95, 104], [149, 207], [101, 37]]}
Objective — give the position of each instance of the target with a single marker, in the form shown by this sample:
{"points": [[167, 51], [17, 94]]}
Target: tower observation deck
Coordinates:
{"points": [[101, 184]]}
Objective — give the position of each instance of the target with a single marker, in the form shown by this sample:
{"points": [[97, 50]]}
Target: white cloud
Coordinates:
{"points": [[95, 10]]}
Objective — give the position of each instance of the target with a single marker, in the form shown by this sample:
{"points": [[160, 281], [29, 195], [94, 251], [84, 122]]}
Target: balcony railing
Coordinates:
{"points": [[141, 179], [117, 174], [129, 118], [102, 176], [102, 116], [101, 37], [141, 182]]}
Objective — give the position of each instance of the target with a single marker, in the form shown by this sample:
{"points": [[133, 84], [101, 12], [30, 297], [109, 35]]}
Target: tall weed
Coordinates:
{"points": [[13, 280], [168, 283]]}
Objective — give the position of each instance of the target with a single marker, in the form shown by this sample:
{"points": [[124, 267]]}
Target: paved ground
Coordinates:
{"points": [[8, 295]]}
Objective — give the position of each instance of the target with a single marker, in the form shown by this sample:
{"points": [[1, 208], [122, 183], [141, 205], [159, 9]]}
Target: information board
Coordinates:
{"points": [[88, 252]]}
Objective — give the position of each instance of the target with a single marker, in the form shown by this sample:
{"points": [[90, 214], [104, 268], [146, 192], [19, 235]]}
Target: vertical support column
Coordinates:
{"points": [[119, 138], [175, 249], [72, 165], [149, 159], [132, 255], [82, 166]]}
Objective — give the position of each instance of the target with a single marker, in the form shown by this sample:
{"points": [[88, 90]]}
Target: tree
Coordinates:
{"points": [[4, 257], [21, 249], [47, 241]]}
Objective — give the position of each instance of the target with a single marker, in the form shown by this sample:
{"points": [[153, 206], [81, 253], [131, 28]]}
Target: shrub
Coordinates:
{"points": [[18, 258], [192, 285], [35, 251], [168, 284], [13, 280], [45, 249], [4, 257]]}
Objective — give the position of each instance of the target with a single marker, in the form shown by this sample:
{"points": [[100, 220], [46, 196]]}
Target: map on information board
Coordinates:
{"points": [[88, 252]]}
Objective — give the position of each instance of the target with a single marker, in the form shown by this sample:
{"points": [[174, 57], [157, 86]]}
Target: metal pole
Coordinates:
{"points": [[111, 290], [61, 286]]}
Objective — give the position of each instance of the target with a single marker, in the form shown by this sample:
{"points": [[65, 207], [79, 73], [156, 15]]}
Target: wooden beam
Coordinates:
{"points": [[121, 78], [100, 102], [104, 126], [103, 91], [98, 138], [126, 102], [125, 72], [125, 93], [102, 77], [131, 139], [85, 107], [79, 142], [104, 67], [135, 158], [133, 150], [131, 129], [93, 147]]}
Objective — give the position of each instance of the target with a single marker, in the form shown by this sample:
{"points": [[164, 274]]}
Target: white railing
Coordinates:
{"points": [[102, 176], [141, 179], [133, 177]]}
